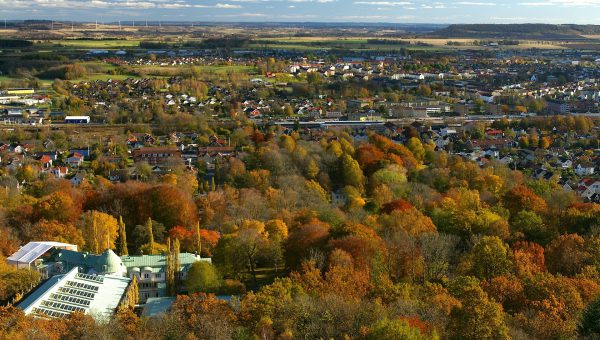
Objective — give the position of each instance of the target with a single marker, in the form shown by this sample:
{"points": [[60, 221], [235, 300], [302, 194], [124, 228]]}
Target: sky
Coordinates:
{"points": [[401, 11]]}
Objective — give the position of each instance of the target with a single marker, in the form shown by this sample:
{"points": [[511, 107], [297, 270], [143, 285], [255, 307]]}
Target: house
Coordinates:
{"points": [[492, 152], [53, 155], [21, 148], [357, 104], [77, 179], [156, 155], [75, 160], [46, 161], [588, 187], [564, 163], [447, 131], [584, 170], [494, 134], [59, 171], [85, 152], [559, 107], [339, 198]]}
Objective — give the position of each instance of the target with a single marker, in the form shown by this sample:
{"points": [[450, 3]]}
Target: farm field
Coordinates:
{"points": [[95, 43], [361, 43]]}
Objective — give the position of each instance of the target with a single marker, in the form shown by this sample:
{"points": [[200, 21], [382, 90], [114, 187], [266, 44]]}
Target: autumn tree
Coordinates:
{"points": [[204, 317], [528, 258], [122, 238], [305, 238], [56, 231], [251, 238], [523, 198], [100, 230], [567, 254], [58, 206]]}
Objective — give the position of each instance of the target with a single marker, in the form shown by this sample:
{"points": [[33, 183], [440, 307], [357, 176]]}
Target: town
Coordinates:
{"points": [[228, 181]]}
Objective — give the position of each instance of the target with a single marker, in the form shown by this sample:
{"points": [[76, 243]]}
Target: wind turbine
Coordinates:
{"points": [[119, 25]]}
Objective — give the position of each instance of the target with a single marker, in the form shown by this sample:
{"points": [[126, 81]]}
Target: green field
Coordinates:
{"points": [[426, 44], [43, 82], [94, 44], [228, 69]]}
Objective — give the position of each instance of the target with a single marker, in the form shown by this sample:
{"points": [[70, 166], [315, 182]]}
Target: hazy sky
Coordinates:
{"points": [[409, 11]]}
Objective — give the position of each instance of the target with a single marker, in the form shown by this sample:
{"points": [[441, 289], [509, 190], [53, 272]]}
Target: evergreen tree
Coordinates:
{"points": [[198, 239], [176, 265], [122, 238], [152, 247], [169, 270], [95, 228]]}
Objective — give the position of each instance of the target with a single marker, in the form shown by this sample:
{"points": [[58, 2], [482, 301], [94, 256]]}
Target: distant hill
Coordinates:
{"points": [[517, 31]]}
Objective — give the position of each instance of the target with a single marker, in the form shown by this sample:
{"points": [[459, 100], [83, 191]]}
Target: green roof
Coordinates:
{"points": [[109, 262], [71, 259], [155, 306], [158, 261]]}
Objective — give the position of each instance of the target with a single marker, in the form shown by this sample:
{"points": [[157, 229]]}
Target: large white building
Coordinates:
{"points": [[53, 258], [61, 295]]}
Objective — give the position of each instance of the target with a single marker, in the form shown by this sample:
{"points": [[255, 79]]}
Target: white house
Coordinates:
{"points": [[584, 170]]}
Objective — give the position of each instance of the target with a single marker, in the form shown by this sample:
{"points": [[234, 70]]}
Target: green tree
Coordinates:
{"points": [[351, 172], [151, 244], [590, 321], [395, 329], [416, 147], [489, 258], [477, 317], [531, 225], [173, 267], [202, 277]]}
